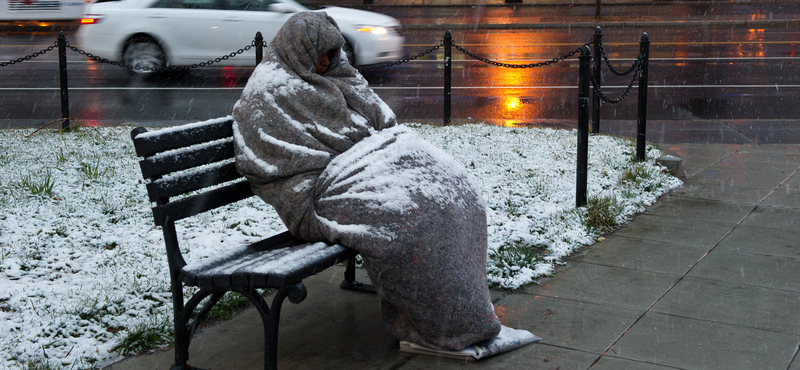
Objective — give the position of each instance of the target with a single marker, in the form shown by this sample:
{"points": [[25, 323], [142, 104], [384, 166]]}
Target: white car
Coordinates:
{"points": [[156, 33]]}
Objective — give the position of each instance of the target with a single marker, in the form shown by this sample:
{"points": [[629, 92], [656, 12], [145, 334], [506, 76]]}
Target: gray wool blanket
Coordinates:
{"points": [[326, 152]]}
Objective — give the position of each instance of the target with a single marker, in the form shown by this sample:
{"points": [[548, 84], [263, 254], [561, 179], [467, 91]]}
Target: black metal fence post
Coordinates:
{"points": [[598, 64], [448, 43], [62, 68], [641, 123], [583, 126], [259, 47]]}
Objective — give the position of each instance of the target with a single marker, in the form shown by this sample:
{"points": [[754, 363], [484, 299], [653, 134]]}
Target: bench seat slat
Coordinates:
{"points": [[162, 164], [182, 184], [195, 204], [154, 142], [262, 268]]}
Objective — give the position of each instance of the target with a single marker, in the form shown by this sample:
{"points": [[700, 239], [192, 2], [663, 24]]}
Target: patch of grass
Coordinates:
{"points": [[144, 336], [95, 170], [636, 174], [39, 363], [41, 187], [4, 252], [228, 306], [511, 256], [91, 309], [601, 213], [513, 208], [61, 158], [107, 207]]}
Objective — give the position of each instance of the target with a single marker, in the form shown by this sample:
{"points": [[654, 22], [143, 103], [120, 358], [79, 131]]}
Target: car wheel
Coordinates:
{"points": [[144, 55], [349, 53]]}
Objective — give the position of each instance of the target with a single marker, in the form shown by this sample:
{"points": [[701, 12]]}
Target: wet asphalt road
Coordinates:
{"points": [[696, 73]]}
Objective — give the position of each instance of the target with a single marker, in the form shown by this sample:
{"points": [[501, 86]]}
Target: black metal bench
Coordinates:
{"points": [[198, 158]]}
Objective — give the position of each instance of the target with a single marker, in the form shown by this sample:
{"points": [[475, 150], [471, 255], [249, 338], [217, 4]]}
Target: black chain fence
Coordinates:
{"points": [[162, 69], [611, 66], [636, 67], [586, 77], [129, 66], [447, 43], [29, 57], [404, 60], [532, 65]]}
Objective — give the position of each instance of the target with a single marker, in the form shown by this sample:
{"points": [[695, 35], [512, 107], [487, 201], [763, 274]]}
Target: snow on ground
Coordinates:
{"points": [[81, 262]]}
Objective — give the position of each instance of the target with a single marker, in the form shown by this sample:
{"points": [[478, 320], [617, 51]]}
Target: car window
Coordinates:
{"points": [[187, 4]]}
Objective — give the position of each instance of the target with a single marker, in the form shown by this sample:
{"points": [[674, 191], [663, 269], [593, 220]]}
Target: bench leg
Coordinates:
{"points": [[271, 318], [350, 283], [183, 330]]}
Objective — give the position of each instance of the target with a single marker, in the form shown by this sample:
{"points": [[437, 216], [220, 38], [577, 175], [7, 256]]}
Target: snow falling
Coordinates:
{"points": [[81, 262]]}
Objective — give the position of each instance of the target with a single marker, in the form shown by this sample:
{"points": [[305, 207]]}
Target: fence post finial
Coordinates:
{"points": [[259, 40]]}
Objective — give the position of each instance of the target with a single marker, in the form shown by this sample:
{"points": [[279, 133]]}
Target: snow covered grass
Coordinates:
{"points": [[83, 274]]}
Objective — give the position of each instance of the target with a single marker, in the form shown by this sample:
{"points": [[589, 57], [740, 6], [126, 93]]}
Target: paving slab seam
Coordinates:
{"points": [[586, 302], [729, 324], [749, 285], [629, 237], [690, 268], [794, 358], [699, 260], [566, 348], [643, 362], [403, 361], [623, 267], [743, 146], [503, 294], [777, 229], [741, 133]]}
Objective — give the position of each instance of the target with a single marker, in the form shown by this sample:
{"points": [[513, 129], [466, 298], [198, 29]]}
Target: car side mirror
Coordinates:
{"points": [[280, 8]]}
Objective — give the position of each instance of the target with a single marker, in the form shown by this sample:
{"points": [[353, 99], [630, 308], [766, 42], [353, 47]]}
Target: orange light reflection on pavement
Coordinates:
{"points": [[91, 113], [513, 107]]}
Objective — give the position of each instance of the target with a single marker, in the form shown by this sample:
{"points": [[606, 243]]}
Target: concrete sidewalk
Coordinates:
{"points": [[707, 278]]}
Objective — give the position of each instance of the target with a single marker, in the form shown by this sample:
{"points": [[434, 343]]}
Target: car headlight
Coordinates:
{"points": [[375, 30]]}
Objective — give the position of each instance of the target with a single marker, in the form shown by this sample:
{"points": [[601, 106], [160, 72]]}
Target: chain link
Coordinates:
{"points": [[401, 61], [611, 67], [636, 68], [29, 57], [171, 68]]}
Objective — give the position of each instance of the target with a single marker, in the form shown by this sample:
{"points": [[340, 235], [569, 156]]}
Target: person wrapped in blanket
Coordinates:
{"points": [[321, 147]]}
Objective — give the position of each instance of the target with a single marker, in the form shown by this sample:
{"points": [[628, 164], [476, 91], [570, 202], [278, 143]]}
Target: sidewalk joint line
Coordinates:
{"points": [[741, 133], [690, 268], [794, 358]]}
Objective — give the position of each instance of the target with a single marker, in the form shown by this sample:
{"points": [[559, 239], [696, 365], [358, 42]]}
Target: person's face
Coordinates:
{"points": [[322, 63]]}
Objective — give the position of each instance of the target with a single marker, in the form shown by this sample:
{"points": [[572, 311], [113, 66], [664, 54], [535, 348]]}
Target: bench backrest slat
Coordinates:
{"points": [[204, 152], [196, 204], [196, 180], [162, 164], [188, 135]]}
